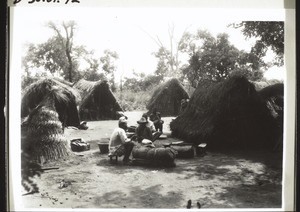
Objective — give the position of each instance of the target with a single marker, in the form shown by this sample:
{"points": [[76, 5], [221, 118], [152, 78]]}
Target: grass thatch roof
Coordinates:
{"points": [[84, 86], [98, 101], [259, 85], [70, 84], [167, 98], [226, 114], [275, 90], [64, 98]]}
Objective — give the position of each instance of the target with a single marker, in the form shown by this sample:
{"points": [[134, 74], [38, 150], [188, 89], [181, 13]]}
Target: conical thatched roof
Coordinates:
{"points": [[64, 97], [167, 98], [98, 101], [226, 114]]}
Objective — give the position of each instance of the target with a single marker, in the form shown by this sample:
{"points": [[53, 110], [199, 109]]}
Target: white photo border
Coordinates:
{"points": [[289, 156]]}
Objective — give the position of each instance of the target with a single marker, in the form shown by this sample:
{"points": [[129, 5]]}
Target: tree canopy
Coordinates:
{"points": [[216, 58], [59, 56], [269, 34]]}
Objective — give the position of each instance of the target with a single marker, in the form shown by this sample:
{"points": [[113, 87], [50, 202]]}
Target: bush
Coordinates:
{"points": [[130, 100]]}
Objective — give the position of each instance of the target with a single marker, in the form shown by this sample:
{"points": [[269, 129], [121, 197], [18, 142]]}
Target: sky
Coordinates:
{"points": [[130, 31]]}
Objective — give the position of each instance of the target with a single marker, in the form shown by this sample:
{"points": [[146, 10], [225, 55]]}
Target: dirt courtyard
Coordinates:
{"points": [[217, 180]]}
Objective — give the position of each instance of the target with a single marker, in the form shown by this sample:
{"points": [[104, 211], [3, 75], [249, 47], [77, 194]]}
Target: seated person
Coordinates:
{"points": [[119, 143], [142, 131], [150, 124], [156, 118]]}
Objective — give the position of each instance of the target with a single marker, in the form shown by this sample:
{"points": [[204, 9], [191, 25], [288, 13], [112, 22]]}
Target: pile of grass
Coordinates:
{"points": [[167, 98], [228, 114], [42, 140]]}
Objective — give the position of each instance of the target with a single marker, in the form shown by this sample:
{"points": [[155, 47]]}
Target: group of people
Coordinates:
{"points": [[148, 130]]}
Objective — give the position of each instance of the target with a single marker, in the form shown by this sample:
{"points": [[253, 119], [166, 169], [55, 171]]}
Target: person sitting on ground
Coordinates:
{"points": [[119, 144], [156, 118], [142, 131], [150, 124]]}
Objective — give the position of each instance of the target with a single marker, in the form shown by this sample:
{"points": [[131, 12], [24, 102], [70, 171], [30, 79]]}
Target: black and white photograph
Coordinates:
{"points": [[150, 107]]}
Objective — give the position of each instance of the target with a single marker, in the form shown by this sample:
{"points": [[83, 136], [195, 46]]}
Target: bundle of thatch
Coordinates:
{"points": [[64, 100], [98, 101], [167, 98], [226, 114], [44, 139]]}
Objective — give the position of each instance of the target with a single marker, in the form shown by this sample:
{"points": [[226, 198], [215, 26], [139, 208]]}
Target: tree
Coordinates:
{"points": [[109, 67], [58, 55], [268, 33], [163, 65], [92, 71], [169, 64], [215, 59], [141, 82], [66, 41]]}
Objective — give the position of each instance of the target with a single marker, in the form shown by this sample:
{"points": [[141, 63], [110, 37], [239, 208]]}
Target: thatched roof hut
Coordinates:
{"points": [[167, 98], [226, 114], [98, 101], [64, 100]]}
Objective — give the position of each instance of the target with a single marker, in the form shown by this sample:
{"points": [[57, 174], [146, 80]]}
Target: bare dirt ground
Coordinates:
{"points": [[217, 180]]}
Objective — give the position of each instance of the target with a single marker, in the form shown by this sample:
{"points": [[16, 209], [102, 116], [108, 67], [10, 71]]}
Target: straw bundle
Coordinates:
{"points": [[44, 139], [98, 102], [167, 98], [226, 114], [64, 100]]}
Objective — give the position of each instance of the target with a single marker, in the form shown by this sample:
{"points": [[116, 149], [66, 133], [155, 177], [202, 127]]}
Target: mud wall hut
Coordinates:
{"points": [[98, 101], [65, 99], [167, 98], [228, 114]]}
